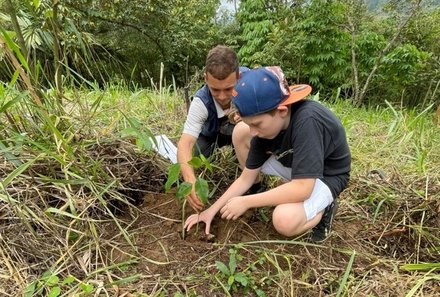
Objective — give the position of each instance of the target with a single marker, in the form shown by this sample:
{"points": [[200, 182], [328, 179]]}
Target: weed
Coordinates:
{"points": [[232, 280]]}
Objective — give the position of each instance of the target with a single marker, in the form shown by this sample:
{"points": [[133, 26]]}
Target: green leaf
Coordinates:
{"points": [[242, 279], [144, 142], [17, 172], [14, 78], [184, 190], [222, 268], [61, 212], [206, 163], [421, 267], [195, 162], [86, 288], [15, 49], [130, 131], [202, 190], [30, 290], [231, 280], [260, 293], [173, 176], [54, 292], [8, 104], [52, 280], [36, 3], [68, 280], [343, 282], [232, 262]]}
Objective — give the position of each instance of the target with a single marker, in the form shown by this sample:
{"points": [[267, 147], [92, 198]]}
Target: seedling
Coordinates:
{"points": [[184, 188], [50, 285], [235, 279]]}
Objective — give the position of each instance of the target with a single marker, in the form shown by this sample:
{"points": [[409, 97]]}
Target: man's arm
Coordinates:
{"points": [[197, 115], [184, 155]]}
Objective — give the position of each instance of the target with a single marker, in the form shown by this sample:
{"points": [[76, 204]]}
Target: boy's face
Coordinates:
{"points": [[268, 125], [221, 90]]}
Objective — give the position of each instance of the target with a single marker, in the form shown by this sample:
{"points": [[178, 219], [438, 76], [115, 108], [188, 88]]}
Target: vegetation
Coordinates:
{"points": [[372, 50], [84, 85]]}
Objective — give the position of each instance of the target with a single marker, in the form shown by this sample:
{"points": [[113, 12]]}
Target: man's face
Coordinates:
{"points": [[267, 125], [221, 90]]}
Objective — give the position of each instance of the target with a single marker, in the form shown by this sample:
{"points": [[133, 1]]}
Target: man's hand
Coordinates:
{"points": [[205, 216], [194, 201], [234, 208]]}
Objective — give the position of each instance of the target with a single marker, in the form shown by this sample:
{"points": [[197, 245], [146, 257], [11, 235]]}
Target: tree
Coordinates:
{"points": [[353, 27], [255, 22]]}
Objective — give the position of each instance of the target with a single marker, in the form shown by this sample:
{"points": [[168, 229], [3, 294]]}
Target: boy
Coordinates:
{"points": [[298, 140]]}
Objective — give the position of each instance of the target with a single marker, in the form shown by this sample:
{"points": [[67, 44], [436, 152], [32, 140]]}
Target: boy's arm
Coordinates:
{"points": [[184, 155], [297, 190], [238, 187]]}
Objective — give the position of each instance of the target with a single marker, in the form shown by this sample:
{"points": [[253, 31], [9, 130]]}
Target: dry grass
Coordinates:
{"points": [[98, 215]]}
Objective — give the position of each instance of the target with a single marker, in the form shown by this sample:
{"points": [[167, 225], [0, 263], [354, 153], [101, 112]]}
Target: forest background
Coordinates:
{"points": [[374, 49]]}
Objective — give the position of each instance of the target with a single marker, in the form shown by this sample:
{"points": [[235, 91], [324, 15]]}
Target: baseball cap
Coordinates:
{"points": [[264, 89]]}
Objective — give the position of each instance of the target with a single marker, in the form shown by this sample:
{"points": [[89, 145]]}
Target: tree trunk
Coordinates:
{"points": [[354, 69]]}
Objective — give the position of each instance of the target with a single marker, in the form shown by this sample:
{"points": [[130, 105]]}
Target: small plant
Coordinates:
{"points": [[143, 137], [184, 189], [237, 280], [50, 285]]}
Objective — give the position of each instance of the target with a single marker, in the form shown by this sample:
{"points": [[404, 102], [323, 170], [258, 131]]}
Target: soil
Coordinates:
{"points": [[172, 263]]}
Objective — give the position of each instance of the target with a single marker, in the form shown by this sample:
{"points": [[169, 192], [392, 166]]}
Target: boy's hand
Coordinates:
{"points": [[204, 216], [194, 201], [234, 208]]}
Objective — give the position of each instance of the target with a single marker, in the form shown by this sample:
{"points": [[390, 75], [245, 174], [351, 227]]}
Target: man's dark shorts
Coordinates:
{"points": [[206, 145]]}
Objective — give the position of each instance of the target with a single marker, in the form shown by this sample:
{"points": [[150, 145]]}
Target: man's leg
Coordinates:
{"points": [[207, 145], [204, 146]]}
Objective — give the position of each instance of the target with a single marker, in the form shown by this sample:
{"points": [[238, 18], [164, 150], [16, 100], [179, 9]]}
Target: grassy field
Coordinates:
{"points": [[82, 208]]}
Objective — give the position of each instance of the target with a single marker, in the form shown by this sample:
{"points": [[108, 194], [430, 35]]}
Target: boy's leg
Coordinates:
{"points": [[323, 228], [295, 218], [241, 139]]}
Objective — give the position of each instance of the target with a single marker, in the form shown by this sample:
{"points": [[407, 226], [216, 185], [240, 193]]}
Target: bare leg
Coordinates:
{"points": [[290, 219], [241, 139]]}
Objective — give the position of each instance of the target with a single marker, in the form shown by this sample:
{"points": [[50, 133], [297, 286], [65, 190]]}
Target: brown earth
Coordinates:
{"points": [[168, 263]]}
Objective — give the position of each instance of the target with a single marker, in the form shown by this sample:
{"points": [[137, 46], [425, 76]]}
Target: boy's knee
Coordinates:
{"points": [[288, 219]]}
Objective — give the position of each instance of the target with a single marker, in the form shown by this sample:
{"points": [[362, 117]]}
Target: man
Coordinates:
{"points": [[298, 140], [207, 125]]}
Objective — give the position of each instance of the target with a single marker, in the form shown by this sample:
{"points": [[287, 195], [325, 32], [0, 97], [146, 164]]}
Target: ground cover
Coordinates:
{"points": [[91, 218]]}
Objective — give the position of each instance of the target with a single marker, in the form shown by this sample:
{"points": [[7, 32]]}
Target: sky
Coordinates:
{"points": [[229, 5]]}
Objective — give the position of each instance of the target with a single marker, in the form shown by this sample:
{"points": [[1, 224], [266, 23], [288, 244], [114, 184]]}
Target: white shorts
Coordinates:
{"points": [[320, 198]]}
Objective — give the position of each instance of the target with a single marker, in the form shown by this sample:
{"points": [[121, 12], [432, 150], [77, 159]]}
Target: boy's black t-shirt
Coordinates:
{"points": [[314, 146]]}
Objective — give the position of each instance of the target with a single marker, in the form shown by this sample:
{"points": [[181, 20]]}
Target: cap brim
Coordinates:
{"points": [[297, 93]]}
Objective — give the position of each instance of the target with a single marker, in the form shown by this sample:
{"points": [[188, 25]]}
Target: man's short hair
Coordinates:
{"points": [[221, 62]]}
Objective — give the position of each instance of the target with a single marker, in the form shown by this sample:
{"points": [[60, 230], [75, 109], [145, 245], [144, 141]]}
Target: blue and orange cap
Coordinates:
{"points": [[264, 89]]}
